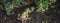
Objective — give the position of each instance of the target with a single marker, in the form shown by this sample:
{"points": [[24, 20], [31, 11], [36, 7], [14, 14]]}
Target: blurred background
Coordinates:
{"points": [[29, 11]]}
